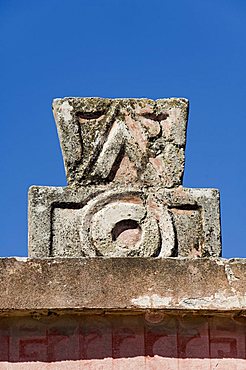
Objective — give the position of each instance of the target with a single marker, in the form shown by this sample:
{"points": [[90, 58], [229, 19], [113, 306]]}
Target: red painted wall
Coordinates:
{"points": [[150, 341]]}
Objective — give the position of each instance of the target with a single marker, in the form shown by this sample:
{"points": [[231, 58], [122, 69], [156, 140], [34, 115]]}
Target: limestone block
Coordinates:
{"points": [[124, 161], [123, 222]]}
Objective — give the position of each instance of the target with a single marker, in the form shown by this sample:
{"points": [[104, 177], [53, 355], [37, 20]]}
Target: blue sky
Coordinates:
{"points": [[122, 48]]}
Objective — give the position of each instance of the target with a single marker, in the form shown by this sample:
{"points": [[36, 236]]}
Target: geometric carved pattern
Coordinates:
{"points": [[143, 341]]}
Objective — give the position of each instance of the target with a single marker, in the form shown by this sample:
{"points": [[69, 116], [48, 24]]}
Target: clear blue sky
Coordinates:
{"points": [[123, 48]]}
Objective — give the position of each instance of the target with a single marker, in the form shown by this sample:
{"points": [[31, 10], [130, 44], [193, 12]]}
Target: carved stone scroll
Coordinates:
{"points": [[124, 161]]}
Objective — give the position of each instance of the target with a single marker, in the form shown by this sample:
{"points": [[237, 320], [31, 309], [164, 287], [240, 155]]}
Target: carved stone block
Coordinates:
{"points": [[89, 222], [122, 140], [124, 161]]}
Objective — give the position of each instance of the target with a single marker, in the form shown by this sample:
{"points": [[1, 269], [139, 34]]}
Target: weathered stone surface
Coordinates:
{"points": [[122, 140], [122, 222], [123, 284], [124, 160]]}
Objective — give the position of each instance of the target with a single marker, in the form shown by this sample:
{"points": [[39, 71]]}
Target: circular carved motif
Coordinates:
{"points": [[123, 224]]}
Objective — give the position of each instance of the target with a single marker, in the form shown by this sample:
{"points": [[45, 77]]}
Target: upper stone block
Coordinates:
{"points": [[139, 141]]}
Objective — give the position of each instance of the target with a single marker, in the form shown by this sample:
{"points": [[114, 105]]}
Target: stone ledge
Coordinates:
{"points": [[128, 284]]}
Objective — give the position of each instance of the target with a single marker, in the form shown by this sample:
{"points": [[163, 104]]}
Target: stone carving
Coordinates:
{"points": [[122, 140], [124, 160]]}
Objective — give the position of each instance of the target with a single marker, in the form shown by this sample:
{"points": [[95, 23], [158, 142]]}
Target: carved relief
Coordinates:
{"points": [[124, 161], [113, 224], [113, 138]]}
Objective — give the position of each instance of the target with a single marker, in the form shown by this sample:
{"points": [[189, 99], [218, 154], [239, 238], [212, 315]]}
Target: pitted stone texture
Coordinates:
{"points": [[124, 284], [122, 140], [124, 161], [123, 222]]}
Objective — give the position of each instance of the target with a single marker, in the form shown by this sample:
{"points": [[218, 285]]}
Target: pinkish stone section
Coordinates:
{"points": [[122, 342]]}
